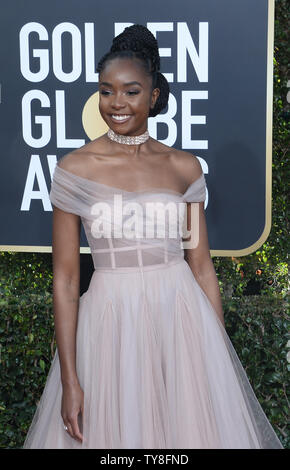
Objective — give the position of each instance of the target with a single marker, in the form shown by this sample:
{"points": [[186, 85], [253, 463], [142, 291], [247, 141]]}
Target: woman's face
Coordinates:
{"points": [[124, 105]]}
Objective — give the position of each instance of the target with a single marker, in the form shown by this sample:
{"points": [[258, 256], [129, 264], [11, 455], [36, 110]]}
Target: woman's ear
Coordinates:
{"points": [[154, 97]]}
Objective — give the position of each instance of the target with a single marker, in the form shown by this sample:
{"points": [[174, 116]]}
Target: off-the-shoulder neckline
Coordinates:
{"points": [[150, 190]]}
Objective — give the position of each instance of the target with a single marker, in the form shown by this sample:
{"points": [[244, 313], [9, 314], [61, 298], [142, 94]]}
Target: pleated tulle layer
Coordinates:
{"points": [[158, 371]]}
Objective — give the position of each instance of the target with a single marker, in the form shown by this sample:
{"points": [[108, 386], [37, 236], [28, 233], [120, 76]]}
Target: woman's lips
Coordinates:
{"points": [[120, 121]]}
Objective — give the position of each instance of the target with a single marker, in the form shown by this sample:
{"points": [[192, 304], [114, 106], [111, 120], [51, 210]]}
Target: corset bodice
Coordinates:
{"points": [[123, 228]]}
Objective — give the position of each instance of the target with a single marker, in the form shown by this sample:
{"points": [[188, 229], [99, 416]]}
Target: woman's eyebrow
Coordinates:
{"points": [[125, 84]]}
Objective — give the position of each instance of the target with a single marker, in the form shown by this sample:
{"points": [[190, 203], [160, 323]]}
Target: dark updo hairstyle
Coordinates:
{"points": [[137, 42]]}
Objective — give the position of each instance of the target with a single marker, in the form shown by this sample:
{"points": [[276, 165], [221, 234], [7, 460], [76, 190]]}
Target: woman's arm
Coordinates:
{"points": [[200, 262], [66, 284]]}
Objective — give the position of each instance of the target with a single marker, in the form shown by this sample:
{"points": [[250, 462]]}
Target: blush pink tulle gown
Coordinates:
{"points": [[156, 365]]}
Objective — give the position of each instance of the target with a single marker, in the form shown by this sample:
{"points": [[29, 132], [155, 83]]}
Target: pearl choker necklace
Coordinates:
{"points": [[128, 139]]}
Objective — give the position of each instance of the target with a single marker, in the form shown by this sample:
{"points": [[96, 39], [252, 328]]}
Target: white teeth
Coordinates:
{"points": [[120, 118]]}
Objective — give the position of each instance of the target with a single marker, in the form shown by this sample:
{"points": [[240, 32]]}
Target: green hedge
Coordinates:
{"points": [[26, 340]]}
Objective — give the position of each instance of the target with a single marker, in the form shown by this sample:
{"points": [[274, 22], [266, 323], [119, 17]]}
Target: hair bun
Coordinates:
{"points": [[138, 38], [162, 99]]}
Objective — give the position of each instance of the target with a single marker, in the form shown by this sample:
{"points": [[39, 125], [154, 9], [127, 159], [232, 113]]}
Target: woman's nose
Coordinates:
{"points": [[118, 101]]}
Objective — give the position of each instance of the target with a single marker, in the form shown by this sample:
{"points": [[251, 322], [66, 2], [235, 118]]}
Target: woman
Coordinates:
{"points": [[143, 359]]}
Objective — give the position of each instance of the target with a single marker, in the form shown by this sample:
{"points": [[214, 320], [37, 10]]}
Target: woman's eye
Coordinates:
{"points": [[105, 92]]}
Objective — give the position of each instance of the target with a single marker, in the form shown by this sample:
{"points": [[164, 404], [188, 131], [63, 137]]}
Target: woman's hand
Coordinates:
{"points": [[71, 405]]}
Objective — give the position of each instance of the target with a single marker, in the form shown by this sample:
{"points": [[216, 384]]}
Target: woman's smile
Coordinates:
{"points": [[120, 118]]}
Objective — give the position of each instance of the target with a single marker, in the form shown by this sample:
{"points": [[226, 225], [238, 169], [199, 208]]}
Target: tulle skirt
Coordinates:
{"points": [[157, 368]]}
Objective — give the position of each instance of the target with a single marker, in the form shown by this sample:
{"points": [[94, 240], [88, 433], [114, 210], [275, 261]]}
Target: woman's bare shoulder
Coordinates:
{"points": [[74, 162], [187, 164], [79, 160]]}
